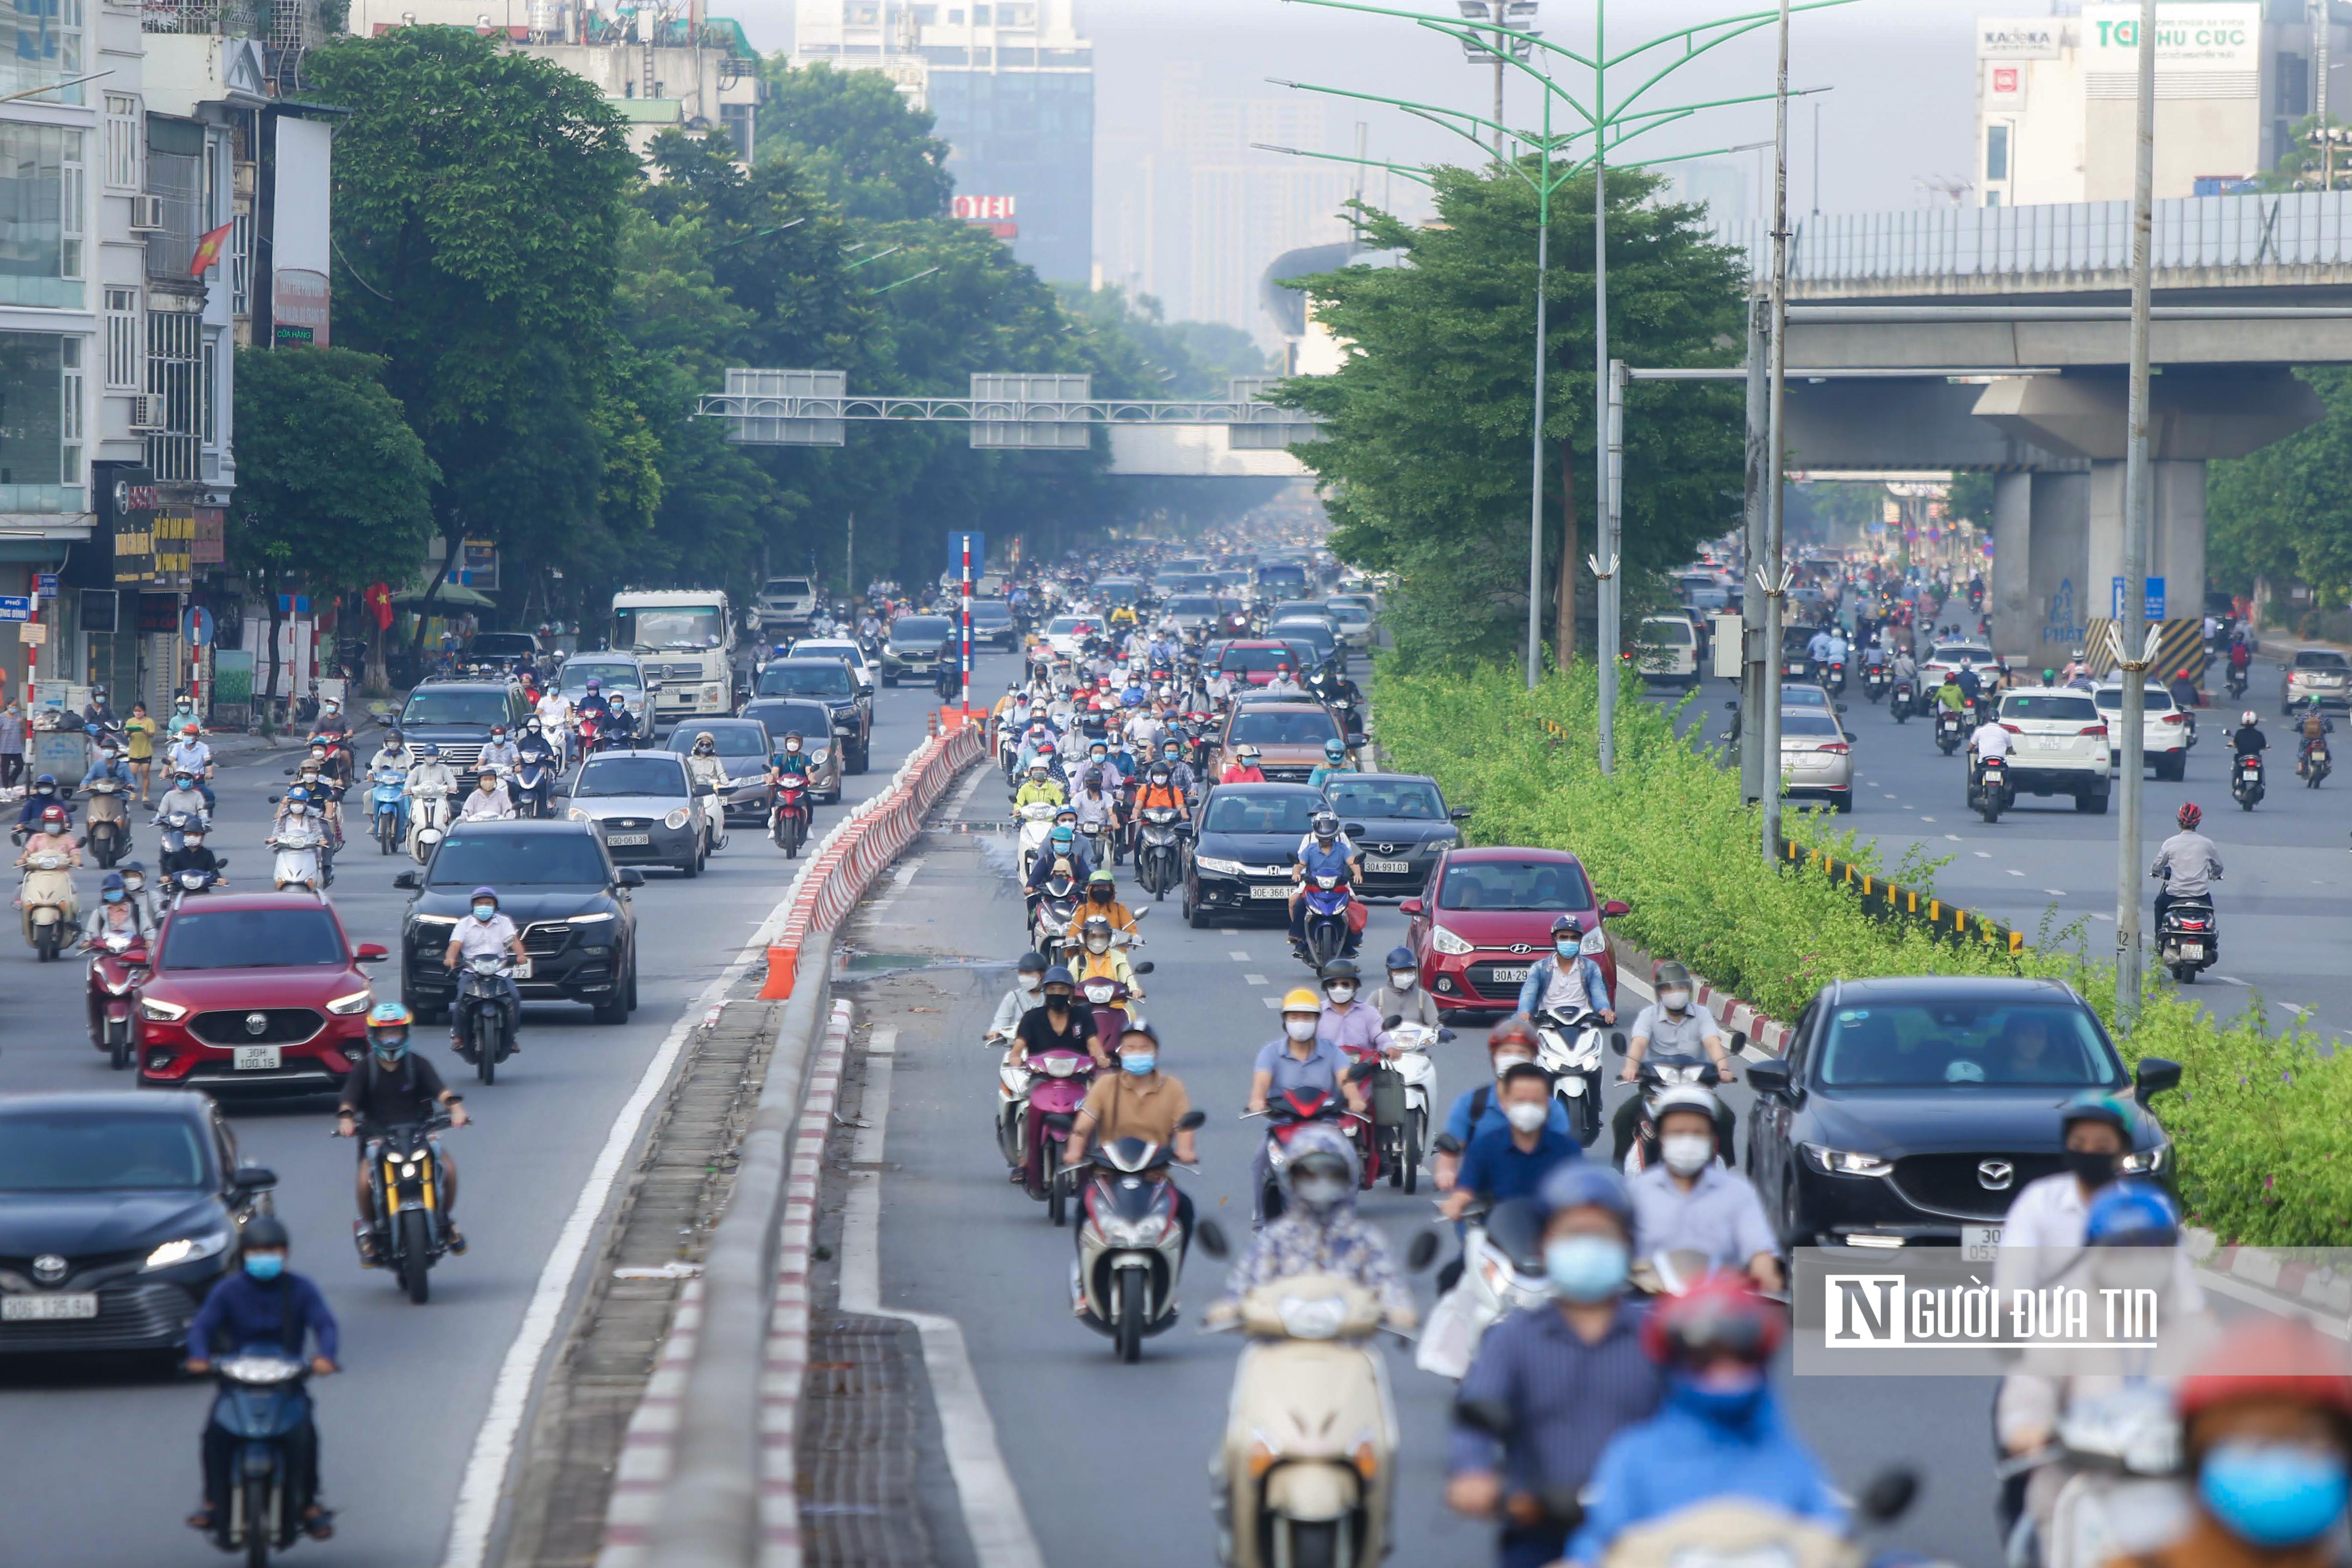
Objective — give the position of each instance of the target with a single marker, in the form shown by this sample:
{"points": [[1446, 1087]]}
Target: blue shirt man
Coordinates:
{"points": [[1688, 1453], [1498, 1165]]}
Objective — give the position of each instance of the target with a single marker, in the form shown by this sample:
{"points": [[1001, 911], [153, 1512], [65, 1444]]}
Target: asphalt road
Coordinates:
{"points": [[102, 1458]]}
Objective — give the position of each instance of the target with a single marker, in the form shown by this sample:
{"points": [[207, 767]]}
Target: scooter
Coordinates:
{"points": [[1049, 930], [2246, 780], [1950, 730], [297, 847], [1502, 1272], [2234, 682], [118, 963], [47, 895], [1131, 1246], [1568, 1048], [1658, 1073], [1058, 1082], [1903, 700], [1873, 681], [263, 1402], [2123, 1495], [1286, 1112], [1159, 851], [485, 1016], [388, 808], [1833, 677], [428, 823], [1037, 826], [1992, 792], [2189, 940], [2312, 768], [405, 1187], [1416, 1074], [788, 819], [193, 881], [532, 786], [108, 822], [1329, 919]]}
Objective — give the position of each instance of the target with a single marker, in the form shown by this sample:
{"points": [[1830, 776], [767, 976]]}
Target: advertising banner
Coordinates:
{"points": [[2218, 36]]}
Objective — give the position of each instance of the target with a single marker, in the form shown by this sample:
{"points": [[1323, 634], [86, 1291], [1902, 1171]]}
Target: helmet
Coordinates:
{"points": [[1064, 835], [2049, 676], [1514, 1031], [1045, 748], [54, 817], [1566, 925], [1339, 969], [1102, 874], [1031, 963], [1683, 1096], [2180, 675], [298, 795], [2131, 1213], [1673, 972], [1401, 958], [2263, 1357], [111, 883], [428, 751], [47, 784], [2189, 816], [2250, 717], [1721, 1315], [1326, 824], [704, 741], [1058, 975], [1247, 753], [486, 891], [265, 1233], [1093, 923], [1138, 1024], [2091, 1105], [1587, 1184], [594, 684], [1299, 999], [1334, 749], [191, 728], [387, 1030], [1319, 1155]]}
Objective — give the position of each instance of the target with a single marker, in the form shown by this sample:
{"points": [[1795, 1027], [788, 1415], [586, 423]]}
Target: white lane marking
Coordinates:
{"points": [[1229, 931], [1238, 956], [2228, 980], [2297, 1008], [2012, 872], [1981, 853], [1254, 980], [906, 873], [884, 1042], [1956, 838], [1930, 819], [1271, 1002], [992, 1514], [2055, 892], [2102, 915]]}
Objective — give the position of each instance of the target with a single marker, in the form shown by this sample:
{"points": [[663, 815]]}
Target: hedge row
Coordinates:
{"points": [[2264, 1122]]}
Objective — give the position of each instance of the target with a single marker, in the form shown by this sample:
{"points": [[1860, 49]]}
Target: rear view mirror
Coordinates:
{"points": [[1889, 1495], [1143, 968], [1492, 1416], [1460, 814], [629, 877], [2153, 1076], [408, 880], [1422, 1252], [1210, 1236], [254, 1179], [1410, 906], [1391, 1021], [1191, 1119], [1612, 908]]}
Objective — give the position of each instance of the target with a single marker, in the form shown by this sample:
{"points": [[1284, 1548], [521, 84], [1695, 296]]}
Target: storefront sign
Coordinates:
{"points": [[32, 632], [212, 535], [2005, 87], [2210, 37], [2018, 37], [298, 307], [983, 209]]}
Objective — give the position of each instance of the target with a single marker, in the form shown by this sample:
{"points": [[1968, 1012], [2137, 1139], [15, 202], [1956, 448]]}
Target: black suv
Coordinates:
{"points": [[829, 681], [560, 887], [1915, 1109], [456, 716]]}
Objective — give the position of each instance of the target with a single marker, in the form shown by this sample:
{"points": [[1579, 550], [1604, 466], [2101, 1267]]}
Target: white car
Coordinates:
{"points": [[1816, 756], [1354, 621], [845, 650], [1668, 647], [1064, 634], [1957, 657], [2164, 729], [784, 603], [2059, 745]]}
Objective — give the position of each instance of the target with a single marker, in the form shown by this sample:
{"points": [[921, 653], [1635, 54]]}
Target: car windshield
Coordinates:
{"points": [[992, 613], [678, 625], [503, 858], [1069, 625], [811, 720], [1802, 696], [1237, 660], [1677, 633], [1798, 640], [1914, 1045], [1111, 592], [502, 645], [629, 775], [786, 587], [1960, 653], [1347, 613], [1811, 723], [2110, 699], [477, 707], [727, 740], [1379, 795], [925, 630], [848, 652], [1262, 814], [828, 680], [2073, 710], [1514, 885], [60, 1151], [2317, 659], [608, 674], [1290, 579], [1314, 632], [251, 939], [1282, 727]]}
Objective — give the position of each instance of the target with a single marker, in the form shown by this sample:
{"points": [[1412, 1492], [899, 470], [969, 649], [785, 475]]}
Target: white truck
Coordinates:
{"points": [[685, 638]]}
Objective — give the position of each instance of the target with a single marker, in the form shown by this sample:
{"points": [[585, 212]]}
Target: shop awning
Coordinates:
{"points": [[455, 594]]}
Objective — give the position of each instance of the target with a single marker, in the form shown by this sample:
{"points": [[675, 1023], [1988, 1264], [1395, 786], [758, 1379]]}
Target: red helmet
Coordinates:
{"points": [[1722, 1315], [2269, 1358], [2189, 816], [1514, 1031], [1045, 748], [54, 817]]}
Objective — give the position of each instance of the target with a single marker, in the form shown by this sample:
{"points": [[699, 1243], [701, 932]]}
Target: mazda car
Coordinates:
{"points": [[569, 903], [1912, 1111], [1406, 826], [1484, 917], [118, 1213], [1241, 857]]}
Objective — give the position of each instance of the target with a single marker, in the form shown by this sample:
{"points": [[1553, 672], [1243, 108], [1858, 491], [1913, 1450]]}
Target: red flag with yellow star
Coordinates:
{"points": [[208, 251]]}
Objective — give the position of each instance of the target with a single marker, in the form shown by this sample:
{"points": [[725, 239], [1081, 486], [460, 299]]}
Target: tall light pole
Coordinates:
{"points": [[2131, 618], [1772, 574]]}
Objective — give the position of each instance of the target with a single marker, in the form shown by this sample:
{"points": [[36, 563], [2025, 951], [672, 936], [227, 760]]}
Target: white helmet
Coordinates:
{"points": [[2250, 717]]}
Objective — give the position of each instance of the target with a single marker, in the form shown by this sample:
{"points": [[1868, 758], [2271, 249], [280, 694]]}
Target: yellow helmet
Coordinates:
{"points": [[1302, 1000]]}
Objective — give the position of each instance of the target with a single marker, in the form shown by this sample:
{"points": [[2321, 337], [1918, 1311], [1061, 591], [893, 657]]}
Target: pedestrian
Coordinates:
{"points": [[12, 747], [139, 741]]}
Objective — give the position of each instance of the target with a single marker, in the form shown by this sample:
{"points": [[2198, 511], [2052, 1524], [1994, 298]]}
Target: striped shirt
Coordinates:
{"points": [[1568, 1397]]}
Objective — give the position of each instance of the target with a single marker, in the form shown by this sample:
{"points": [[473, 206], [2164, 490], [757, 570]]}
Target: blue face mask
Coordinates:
{"points": [[1727, 1400], [1587, 1268], [1565, 949], [2272, 1494], [1138, 1062], [484, 911], [265, 1266]]}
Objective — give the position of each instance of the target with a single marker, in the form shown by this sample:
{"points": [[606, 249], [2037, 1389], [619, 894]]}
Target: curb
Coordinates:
{"points": [[1750, 1029], [2320, 1288]]}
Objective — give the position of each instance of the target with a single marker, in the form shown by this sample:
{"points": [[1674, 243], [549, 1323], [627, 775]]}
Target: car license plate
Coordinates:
{"points": [[1978, 1243], [255, 1058], [1512, 972], [47, 1309], [2044, 742], [1269, 892], [1389, 868], [628, 838]]}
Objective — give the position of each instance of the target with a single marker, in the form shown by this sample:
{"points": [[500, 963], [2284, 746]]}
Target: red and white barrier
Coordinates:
{"points": [[845, 863]]}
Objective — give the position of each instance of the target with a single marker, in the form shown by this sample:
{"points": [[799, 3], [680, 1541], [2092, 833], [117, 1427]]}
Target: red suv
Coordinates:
{"points": [[1484, 919], [255, 993]]}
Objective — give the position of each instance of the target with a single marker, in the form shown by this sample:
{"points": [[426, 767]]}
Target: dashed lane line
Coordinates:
{"points": [[1254, 980], [1238, 956]]}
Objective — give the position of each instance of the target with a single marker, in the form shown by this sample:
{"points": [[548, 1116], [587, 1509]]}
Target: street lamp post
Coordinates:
{"points": [[2131, 619], [1774, 583]]}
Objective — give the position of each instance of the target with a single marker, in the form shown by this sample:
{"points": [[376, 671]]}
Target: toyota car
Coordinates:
{"points": [[1484, 919]]}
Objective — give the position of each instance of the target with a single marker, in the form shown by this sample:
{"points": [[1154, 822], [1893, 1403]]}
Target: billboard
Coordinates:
{"points": [[2018, 37], [2214, 36]]}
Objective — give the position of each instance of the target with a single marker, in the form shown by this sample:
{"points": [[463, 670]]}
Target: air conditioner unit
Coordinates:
{"points": [[146, 214], [146, 412]]}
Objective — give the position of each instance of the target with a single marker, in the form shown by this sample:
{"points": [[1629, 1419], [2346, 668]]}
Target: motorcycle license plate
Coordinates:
{"points": [[2192, 950], [628, 838], [1512, 973], [1978, 1243], [47, 1309], [255, 1058], [1389, 868], [522, 969], [1269, 892]]}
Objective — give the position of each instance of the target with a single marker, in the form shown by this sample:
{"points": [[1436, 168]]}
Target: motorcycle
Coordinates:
{"points": [[300, 854], [1659, 1073], [46, 896], [2246, 780], [1057, 905], [1330, 919], [2312, 768], [533, 787], [1568, 1048], [1159, 851], [388, 808], [263, 1402], [1036, 827], [2235, 681], [1873, 681], [1058, 1082], [194, 880], [1095, 839], [1992, 792], [118, 963], [428, 823], [1404, 1145], [1502, 1272], [1902, 701], [1131, 1246], [109, 829], [2122, 1495], [1950, 730], [788, 820], [1833, 677], [405, 1187], [1286, 1112], [2189, 939], [487, 1018]]}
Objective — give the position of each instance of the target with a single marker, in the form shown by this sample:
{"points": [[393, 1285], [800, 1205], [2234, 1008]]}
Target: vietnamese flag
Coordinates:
{"points": [[208, 251]]}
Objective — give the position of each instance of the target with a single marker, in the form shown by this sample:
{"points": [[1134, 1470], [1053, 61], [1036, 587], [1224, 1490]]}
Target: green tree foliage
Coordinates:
{"points": [[872, 156], [1425, 463], [1167, 358], [2285, 512]]}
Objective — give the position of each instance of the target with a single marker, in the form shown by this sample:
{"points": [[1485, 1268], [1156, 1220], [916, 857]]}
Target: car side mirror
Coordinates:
{"points": [[1410, 906], [408, 880], [1612, 908], [372, 952], [629, 877], [1889, 1495], [1460, 813], [250, 1179], [1841, 706], [1446, 1144], [2153, 1077]]}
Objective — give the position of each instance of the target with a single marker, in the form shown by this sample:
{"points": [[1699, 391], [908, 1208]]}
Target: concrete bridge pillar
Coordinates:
{"points": [[2057, 569], [2013, 545]]}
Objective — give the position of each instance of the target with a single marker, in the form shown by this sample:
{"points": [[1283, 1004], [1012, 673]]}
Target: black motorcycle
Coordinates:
{"points": [[1658, 1073], [2246, 780], [2188, 939], [1159, 851], [1903, 700], [263, 1402], [2312, 767], [534, 788], [404, 1188], [484, 1013], [1992, 792], [1874, 682], [1950, 730]]}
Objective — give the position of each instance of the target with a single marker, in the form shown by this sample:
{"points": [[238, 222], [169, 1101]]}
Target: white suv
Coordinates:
{"points": [[2061, 745], [2164, 729], [786, 603]]}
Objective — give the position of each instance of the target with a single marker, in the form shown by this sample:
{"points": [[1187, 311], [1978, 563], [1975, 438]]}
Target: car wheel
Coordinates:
{"points": [[633, 983], [1842, 802], [1793, 1235], [2092, 804], [1194, 916], [2174, 768], [890, 680]]}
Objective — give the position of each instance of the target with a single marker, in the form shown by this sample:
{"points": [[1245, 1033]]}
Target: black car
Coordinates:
{"points": [[118, 1214], [557, 882], [915, 646], [993, 624], [813, 722], [1239, 860], [1329, 651], [831, 682], [1406, 824], [504, 652], [1915, 1109], [456, 716]]}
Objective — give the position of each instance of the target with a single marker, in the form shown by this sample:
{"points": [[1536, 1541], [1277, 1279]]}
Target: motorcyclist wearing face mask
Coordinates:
{"points": [[1102, 898], [487, 929], [1677, 1025], [1572, 981], [1335, 761], [1348, 1023], [1403, 997], [1719, 1433], [1689, 1199], [1572, 1374], [1139, 1100], [1098, 958], [1299, 1060], [1028, 988], [1318, 1233], [1478, 1111], [393, 1086], [2046, 1223], [1514, 1161], [1323, 851]]}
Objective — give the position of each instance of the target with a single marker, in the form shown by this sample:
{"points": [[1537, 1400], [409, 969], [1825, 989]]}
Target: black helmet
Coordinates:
{"points": [[1031, 963], [1402, 957], [1339, 969], [266, 1232]]}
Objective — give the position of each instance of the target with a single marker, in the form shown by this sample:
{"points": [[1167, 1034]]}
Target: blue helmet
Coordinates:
{"points": [[1402, 957], [1064, 835], [1587, 1184], [1333, 749], [2132, 1214], [2094, 1105]]}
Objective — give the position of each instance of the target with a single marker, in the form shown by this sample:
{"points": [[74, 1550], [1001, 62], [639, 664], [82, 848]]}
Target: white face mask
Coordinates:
{"points": [[1504, 1064], [1524, 1118], [1029, 982], [1401, 979], [1686, 1154], [1674, 1001], [1098, 944], [1342, 994], [1299, 1028]]}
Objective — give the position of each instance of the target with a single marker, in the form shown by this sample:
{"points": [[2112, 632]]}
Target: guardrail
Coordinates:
{"points": [[1899, 902]]}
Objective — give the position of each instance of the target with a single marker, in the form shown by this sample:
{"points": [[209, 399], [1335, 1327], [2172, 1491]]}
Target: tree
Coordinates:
{"points": [[1424, 462], [870, 154], [2287, 511], [334, 490]]}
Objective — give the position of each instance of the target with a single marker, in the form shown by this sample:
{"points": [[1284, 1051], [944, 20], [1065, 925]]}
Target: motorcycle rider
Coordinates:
{"points": [[392, 753], [393, 1086], [1299, 1060], [1097, 810], [1244, 768], [1139, 1100], [296, 828], [592, 703], [1335, 761], [705, 766], [1180, 775], [490, 800], [1039, 787], [1512, 1162], [117, 914], [535, 750], [142, 897], [193, 855], [183, 799], [1404, 997], [1572, 1374], [498, 751], [1691, 1199], [53, 835], [2313, 727], [1719, 1433], [189, 754], [1028, 987], [1817, 650], [1283, 685], [2184, 690], [1102, 901], [262, 1305], [1678, 1023], [620, 729], [38, 799], [1323, 851], [2189, 865], [1059, 1022], [1062, 856], [1347, 1023], [1318, 1233], [1100, 958], [1160, 793], [2247, 739], [1568, 982], [1950, 694], [1987, 740], [484, 928]]}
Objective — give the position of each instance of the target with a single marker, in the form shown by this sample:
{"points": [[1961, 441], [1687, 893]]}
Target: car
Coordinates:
{"points": [[1957, 657], [1317, 647], [1108, 594], [1276, 581], [2315, 672], [1797, 651], [846, 649], [1354, 621], [785, 603], [118, 1213], [1912, 1111], [258, 993], [1252, 660], [1805, 694], [1668, 647], [993, 624], [2165, 728], [456, 716], [570, 904], [1483, 919], [1365, 602], [2062, 745], [813, 722], [914, 647], [504, 651], [742, 746], [1240, 859], [829, 681], [1289, 734], [617, 674], [1405, 822], [1065, 636], [1816, 757], [1186, 610], [645, 806]]}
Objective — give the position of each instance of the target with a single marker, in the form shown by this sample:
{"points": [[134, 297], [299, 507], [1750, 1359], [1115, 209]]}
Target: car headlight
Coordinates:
{"points": [[357, 1001], [2145, 1162], [576, 815], [1445, 942], [1841, 1163], [1440, 841], [434, 920], [1222, 868], [819, 756], [187, 1250], [591, 919], [676, 818], [161, 1012]]}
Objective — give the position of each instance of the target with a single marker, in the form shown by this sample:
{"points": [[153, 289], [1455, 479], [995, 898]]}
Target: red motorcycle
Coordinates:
{"points": [[788, 822], [589, 728], [1293, 1109], [118, 967], [1058, 1080]]}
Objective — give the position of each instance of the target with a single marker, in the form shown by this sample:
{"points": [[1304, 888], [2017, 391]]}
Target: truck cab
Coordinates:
{"points": [[685, 639]]}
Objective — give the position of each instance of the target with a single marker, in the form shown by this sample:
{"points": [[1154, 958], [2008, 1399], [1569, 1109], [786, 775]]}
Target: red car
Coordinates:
{"points": [[1484, 919], [1254, 660], [255, 993]]}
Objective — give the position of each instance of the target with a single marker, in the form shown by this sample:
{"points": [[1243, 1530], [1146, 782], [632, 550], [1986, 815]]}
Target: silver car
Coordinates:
{"points": [[646, 808], [2317, 672], [1816, 756]]}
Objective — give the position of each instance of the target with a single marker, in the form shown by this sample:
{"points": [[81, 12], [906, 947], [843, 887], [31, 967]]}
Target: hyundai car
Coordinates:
{"points": [[557, 882], [2315, 672], [1484, 918]]}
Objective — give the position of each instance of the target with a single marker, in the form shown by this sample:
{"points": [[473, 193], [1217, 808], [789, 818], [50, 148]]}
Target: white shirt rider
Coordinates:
{"points": [[492, 805], [1992, 740]]}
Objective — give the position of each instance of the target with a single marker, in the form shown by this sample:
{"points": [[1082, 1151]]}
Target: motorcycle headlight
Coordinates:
{"points": [[1312, 1316], [161, 1012], [819, 756], [1445, 942], [1145, 1232], [676, 818], [357, 1001], [1842, 1162], [187, 1250]]}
